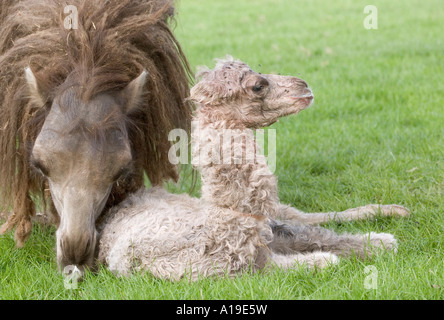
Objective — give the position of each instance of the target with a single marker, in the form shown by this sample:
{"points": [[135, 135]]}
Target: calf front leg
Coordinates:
{"points": [[294, 239], [311, 260]]}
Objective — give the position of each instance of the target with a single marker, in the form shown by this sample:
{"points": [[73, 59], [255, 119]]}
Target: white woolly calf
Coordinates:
{"points": [[235, 226]]}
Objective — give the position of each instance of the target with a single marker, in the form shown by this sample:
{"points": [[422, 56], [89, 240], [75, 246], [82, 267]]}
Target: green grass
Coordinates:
{"points": [[374, 135]]}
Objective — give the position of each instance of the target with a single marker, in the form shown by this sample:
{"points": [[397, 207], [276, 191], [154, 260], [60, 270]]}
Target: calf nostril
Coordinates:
{"points": [[303, 84], [300, 83]]}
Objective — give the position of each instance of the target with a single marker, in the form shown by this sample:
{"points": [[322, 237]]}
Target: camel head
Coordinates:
{"points": [[83, 150], [234, 92]]}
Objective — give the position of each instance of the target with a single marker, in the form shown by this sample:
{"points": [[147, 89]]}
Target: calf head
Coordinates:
{"points": [[234, 92]]}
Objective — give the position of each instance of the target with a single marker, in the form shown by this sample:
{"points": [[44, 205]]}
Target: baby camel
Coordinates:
{"points": [[233, 227], [232, 100]]}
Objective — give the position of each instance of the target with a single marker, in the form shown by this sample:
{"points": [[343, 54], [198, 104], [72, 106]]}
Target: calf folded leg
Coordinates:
{"points": [[292, 215]]}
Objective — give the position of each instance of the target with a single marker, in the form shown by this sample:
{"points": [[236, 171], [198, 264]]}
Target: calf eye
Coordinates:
{"points": [[258, 88], [260, 85]]}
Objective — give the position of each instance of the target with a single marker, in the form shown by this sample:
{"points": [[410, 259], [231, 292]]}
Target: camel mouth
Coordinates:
{"points": [[303, 96], [306, 99], [306, 96]]}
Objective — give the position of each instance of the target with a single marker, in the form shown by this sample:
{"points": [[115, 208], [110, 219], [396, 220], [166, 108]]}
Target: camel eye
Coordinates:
{"points": [[258, 88], [39, 167], [122, 174], [259, 85]]}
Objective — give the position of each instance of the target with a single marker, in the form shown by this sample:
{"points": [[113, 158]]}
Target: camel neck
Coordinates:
{"points": [[211, 118]]}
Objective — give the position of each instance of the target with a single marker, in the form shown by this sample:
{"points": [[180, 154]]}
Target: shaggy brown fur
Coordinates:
{"points": [[114, 42]]}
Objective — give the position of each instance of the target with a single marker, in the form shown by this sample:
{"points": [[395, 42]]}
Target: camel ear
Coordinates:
{"points": [[34, 89], [210, 90], [198, 93], [202, 72], [214, 85], [134, 92]]}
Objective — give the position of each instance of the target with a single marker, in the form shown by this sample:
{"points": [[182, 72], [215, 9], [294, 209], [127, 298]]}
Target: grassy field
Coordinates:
{"points": [[375, 134]]}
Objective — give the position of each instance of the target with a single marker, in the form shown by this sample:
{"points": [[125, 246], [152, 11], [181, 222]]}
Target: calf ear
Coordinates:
{"points": [[209, 91], [34, 89], [134, 92], [213, 86]]}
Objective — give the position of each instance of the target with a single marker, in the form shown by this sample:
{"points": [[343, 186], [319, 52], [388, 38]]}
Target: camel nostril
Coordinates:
{"points": [[300, 83], [303, 83], [72, 275]]}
